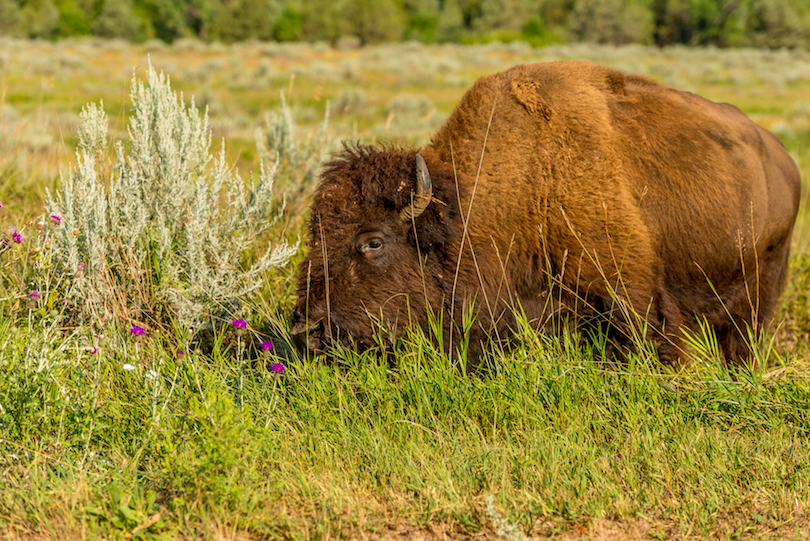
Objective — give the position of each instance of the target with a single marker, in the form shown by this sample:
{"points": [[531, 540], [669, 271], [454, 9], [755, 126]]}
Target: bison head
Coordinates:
{"points": [[382, 229]]}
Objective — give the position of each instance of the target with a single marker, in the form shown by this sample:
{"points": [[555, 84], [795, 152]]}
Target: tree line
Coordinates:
{"points": [[723, 23]]}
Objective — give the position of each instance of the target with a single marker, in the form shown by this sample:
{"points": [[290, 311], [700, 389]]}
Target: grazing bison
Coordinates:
{"points": [[553, 190]]}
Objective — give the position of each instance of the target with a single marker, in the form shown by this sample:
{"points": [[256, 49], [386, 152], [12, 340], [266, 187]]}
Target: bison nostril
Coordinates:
{"points": [[307, 334], [301, 328]]}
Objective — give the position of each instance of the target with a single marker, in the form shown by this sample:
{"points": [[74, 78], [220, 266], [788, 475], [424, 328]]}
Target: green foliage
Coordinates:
{"points": [[422, 27], [611, 21], [240, 20], [288, 26], [778, 23], [699, 22], [451, 23], [374, 21], [132, 513], [322, 20], [724, 23], [117, 20], [533, 28], [11, 19], [202, 457], [75, 18], [39, 18], [172, 19]]}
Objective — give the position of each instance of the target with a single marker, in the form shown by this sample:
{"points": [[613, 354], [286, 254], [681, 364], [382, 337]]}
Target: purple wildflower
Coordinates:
{"points": [[277, 368], [93, 349], [239, 323], [34, 295], [266, 345], [180, 353], [56, 219], [17, 237], [137, 331], [80, 266]]}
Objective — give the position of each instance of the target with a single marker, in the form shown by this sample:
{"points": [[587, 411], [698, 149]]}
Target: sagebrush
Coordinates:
{"points": [[161, 231]]}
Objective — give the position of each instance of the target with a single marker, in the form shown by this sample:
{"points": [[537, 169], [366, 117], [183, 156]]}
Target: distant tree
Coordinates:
{"points": [[172, 19], [323, 20], [11, 19], [483, 16], [533, 27], [699, 22], [611, 21], [288, 26], [450, 25], [375, 21], [118, 20], [778, 23], [422, 17], [75, 17], [40, 18], [239, 20], [553, 13]]}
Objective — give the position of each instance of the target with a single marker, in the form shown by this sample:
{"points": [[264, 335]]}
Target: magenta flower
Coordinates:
{"points": [[56, 219], [180, 353], [135, 330], [277, 368], [80, 266], [17, 237], [34, 295], [93, 349], [266, 345], [239, 323]]}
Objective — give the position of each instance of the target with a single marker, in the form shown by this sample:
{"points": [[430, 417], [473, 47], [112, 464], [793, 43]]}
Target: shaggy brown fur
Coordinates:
{"points": [[635, 202]]}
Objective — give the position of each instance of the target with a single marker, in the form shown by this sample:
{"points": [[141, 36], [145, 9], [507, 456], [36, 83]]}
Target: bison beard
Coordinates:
{"points": [[560, 190]]}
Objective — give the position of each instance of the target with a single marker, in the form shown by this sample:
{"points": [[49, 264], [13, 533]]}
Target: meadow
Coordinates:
{"points": [[149, 416]]}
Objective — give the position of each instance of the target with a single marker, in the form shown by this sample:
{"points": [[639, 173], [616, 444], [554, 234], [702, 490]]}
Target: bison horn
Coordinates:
{"points": [[423, 195]]}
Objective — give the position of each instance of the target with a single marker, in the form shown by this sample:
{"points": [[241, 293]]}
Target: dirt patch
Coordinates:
{"points": [[595, 530]]}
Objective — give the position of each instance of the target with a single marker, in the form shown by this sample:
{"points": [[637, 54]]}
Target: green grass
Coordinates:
{"points": [[553, 442], [554, 438]]}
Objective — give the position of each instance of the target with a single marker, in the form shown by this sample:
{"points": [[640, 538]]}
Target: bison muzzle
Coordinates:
{"points": [[559, 191]]}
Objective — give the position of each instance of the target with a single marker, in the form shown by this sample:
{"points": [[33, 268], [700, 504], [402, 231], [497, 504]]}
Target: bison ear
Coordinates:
{"points": [[526, 92], [422, 196]]}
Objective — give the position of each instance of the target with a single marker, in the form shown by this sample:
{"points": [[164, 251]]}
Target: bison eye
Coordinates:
{"points": [[372, 245]]}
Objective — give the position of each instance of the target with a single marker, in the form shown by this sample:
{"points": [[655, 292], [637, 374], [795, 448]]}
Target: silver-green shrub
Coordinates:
{"points": [[300, 159], [164, 231]]}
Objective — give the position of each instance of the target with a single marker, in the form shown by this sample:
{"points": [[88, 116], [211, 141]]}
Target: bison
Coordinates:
{"points": [[556, 192]]}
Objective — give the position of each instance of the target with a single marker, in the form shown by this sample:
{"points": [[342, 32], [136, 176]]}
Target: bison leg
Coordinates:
{"points": [[745, 312], [663, 324], [636, 314]]}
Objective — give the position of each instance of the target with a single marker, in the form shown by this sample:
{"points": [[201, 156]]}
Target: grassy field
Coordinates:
{"points": [[187, 433]]}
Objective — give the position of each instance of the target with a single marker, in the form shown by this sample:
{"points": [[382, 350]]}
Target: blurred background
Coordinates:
{"points": [[723, 23]]}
